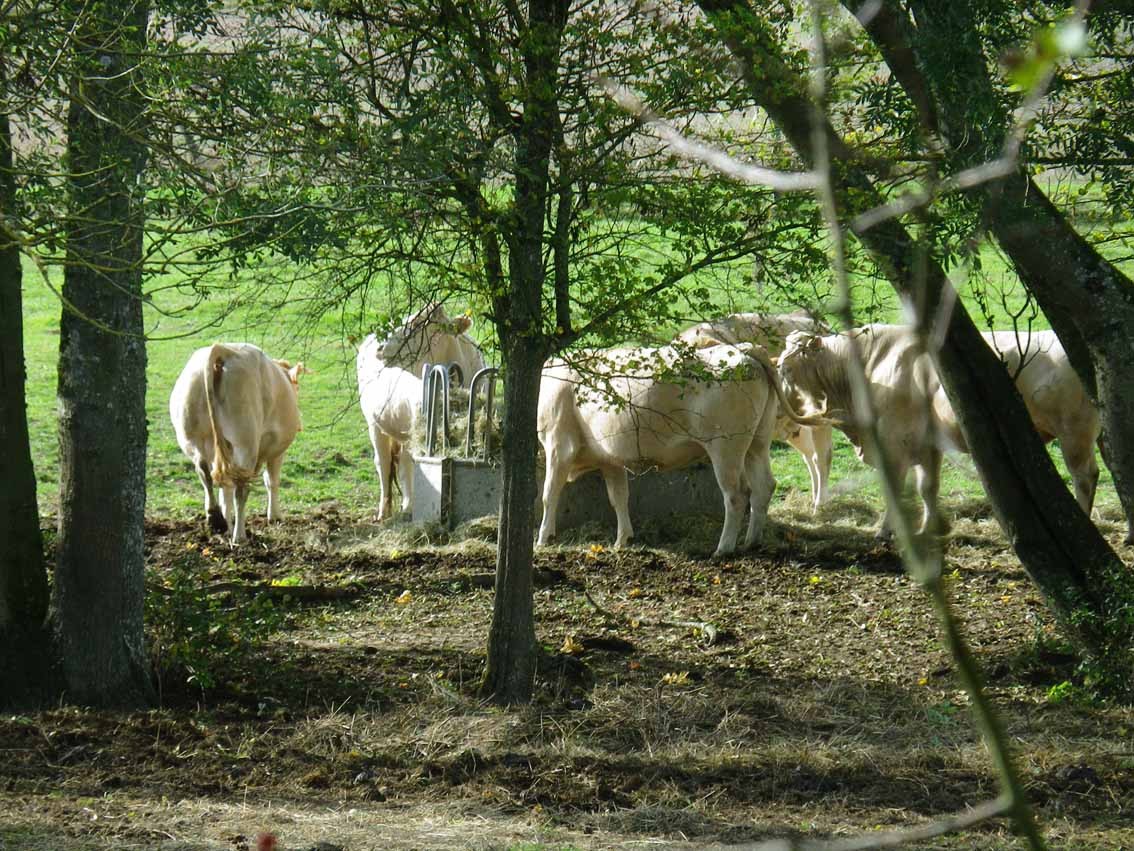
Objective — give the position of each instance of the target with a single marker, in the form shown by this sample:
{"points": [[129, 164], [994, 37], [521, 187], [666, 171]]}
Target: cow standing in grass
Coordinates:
{"points": [[657, 408], [235, 412], [390, 390], [915, 419], [770, 330]]}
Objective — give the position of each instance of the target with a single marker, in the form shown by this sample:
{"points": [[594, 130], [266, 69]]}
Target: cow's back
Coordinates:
{"points": [[1050, 387], [252, 397], [633, 419], [769, 330], [388, 395]]}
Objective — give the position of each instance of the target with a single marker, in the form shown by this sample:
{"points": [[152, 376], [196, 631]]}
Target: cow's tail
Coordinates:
{"points": [[225, 469], [760, 355]]}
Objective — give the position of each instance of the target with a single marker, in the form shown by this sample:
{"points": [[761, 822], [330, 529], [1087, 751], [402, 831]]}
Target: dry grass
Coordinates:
{"points": [[827, 706]]}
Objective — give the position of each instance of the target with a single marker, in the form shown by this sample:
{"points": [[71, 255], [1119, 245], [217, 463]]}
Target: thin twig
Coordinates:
{"points": [[894, 838], [710, 632]]}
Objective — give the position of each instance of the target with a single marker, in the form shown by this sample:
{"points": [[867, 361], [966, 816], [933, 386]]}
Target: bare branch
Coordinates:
{"points": [[781, 181]]}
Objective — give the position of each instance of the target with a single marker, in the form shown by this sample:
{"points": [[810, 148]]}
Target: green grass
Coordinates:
{"points": [[331, 458]]}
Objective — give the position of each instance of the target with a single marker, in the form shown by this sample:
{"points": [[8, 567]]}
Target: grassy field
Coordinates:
{"points": [[331, 459]]}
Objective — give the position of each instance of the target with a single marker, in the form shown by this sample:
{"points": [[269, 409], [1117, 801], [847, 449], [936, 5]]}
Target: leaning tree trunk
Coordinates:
{"points": [[24, 642], [512, 649], [99, 582], [1062, 551], [940, 63]]}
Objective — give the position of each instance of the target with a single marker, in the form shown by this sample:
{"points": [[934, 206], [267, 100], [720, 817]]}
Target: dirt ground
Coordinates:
{"points": [[686, 702]]}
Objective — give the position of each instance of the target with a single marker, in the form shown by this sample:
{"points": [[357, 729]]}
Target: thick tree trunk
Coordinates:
{"points": [[512, 649], [25, 666], [99, 582], [940, 63], [1057, 544]]}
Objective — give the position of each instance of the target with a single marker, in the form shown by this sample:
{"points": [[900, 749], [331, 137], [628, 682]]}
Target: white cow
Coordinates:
{"points": [[647, 409], [390, 390], [429, 335], [235, 411], [770, 330], [916, 421]]}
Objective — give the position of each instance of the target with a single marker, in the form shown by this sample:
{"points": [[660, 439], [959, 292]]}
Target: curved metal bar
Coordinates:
{"points": [[488, 374], [459, 377], [436, 373]]}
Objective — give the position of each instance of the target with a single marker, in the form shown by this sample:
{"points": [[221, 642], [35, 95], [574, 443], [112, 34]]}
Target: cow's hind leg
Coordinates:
{"points": [[213, 513], [886, 528], [554, 478], [927, 478], [763, 485], [1084, 469], [228, 500], [618, 492], [238, 532], [405, 475], [727, 467], [272, 485], [383, 463]]}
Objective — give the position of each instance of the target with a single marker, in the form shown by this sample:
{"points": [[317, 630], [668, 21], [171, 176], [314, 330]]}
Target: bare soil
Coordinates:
{"points": [[814, 700]]}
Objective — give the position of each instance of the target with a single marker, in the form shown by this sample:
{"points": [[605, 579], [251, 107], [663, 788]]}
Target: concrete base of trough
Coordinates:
{"points": [[452, 491]]}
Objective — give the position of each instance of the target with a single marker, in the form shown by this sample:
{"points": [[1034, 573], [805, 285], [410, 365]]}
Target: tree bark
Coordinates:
{"points": [[940, 63], [512, 648], [99, 582], [1059, 547], [25, 665]]}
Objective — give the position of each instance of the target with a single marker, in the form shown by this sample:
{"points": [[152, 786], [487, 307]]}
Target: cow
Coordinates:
{"points": [[235, 412], [647, 409], [390, 391], [915, 419], [770, 330], [429, 335]]}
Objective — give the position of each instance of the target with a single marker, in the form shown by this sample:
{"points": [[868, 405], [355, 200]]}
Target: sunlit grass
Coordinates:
{"points": [[331, 459]]}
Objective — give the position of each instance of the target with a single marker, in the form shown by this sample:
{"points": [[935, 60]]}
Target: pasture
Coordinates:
{"points": [[320, 682]]}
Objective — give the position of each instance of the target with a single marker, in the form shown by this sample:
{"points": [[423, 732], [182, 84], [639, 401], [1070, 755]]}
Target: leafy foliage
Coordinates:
{"points": [[195, 635]]}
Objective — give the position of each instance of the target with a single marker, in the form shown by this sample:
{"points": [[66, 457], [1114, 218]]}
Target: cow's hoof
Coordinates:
{"points": [[217, 523]]}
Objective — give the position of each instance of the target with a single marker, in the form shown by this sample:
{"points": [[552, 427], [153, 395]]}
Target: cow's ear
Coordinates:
{"points": [[296, 371], [463, 323], [814, 343]]}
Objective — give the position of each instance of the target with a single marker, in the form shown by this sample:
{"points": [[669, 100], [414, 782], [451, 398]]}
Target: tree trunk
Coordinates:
{"points": [[512, 649], [1088, 301], [25, 665], [1060, 548], [99, 582]]}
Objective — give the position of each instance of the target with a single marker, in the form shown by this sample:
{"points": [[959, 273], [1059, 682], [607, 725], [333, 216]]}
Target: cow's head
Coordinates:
{"points": [[421, 337], [703, 336], [292, 372], [799, 365]]}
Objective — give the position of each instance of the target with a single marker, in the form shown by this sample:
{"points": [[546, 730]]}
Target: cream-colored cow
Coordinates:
{"points": [[235, 411], [631, 408], [770, 330], [916, 421], [390, 390]]}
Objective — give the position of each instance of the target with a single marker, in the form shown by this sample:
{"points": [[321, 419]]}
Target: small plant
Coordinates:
{"points": [[195, 634]]}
